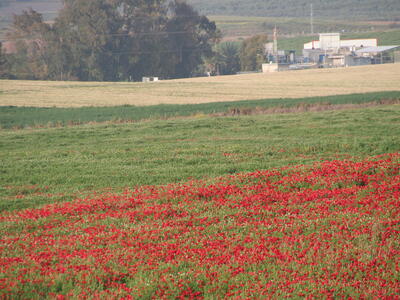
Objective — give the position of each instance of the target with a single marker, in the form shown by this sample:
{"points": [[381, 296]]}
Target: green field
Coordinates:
{"points": [[332, 10], [41, 166], [36, 117], [236, 27], [385, 38]]}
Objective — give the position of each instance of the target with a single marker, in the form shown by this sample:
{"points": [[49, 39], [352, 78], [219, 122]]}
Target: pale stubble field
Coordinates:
{"points": [[293, 84]]}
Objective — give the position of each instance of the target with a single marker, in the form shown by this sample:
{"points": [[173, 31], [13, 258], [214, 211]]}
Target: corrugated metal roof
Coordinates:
{"points": [[377, 49]]}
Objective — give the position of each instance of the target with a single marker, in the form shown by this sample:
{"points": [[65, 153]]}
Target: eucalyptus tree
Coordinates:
{"points": [[190, 38], [88, 32], [3, 63], [252, 53], [29, 35], [111, 40]]}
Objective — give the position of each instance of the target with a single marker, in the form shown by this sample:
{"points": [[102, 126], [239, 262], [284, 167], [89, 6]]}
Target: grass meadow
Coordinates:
{"points": [[295, 84], [40, 166]]}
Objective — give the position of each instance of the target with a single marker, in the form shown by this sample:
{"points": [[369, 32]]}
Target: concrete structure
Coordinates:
{"points": [[269, 48], [396, 55], [277, 60], [149, 79], [329, 41], [270, 67], [314, 55], [332, 41], [379, 54], [343, 60], [358, 43], [331, 51]]}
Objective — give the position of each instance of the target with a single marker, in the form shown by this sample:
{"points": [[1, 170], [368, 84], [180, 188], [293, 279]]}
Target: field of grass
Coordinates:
{"points": [[36, 117], [236, 27], [57, 164], [295, 84]]}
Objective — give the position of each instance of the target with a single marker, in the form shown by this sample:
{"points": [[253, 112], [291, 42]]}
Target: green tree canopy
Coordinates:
{"points": [[3, 63], [111, 40], [225, 60], [30, 35], [252, 53]]}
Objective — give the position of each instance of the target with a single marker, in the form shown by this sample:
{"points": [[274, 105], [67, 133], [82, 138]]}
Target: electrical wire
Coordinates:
{"points": [[149, 33]]}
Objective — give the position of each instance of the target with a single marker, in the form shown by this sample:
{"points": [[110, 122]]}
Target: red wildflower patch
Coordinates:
{"points": [[328, 230]]}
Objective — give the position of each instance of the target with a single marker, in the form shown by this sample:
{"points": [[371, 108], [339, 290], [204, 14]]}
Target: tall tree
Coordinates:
{"points": [[189, 35], [228, 58], [88, 31], [144, 45], [252, 53], [29, 34], [3, 63], [110, 40]]}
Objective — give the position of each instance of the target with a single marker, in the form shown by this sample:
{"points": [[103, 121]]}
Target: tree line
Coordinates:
{"points": [[120, 40]]}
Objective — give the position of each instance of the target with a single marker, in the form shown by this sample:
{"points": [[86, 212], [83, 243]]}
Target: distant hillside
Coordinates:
{"points": [[238, 27], [335, 9], [260, 16]]}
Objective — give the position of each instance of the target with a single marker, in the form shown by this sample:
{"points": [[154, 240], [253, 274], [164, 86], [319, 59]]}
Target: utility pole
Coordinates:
{"points": [[276, 44], [312, 19]]}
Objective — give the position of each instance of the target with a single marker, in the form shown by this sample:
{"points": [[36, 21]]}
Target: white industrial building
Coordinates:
{"points": [[331, 51], [379, 54], [332, 41]]}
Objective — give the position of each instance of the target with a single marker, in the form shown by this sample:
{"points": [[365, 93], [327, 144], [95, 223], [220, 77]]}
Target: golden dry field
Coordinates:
{"points": [[293, 84]]}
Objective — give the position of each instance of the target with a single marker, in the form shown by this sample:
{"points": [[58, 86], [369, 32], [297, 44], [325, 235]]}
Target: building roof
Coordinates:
{"points": [[330, 34], [377, 49]]}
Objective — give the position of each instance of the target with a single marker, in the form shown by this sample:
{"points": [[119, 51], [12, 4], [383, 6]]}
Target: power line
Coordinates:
{"points": [[181, 50], [197, 49], [113, 34], [155, 17]]}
